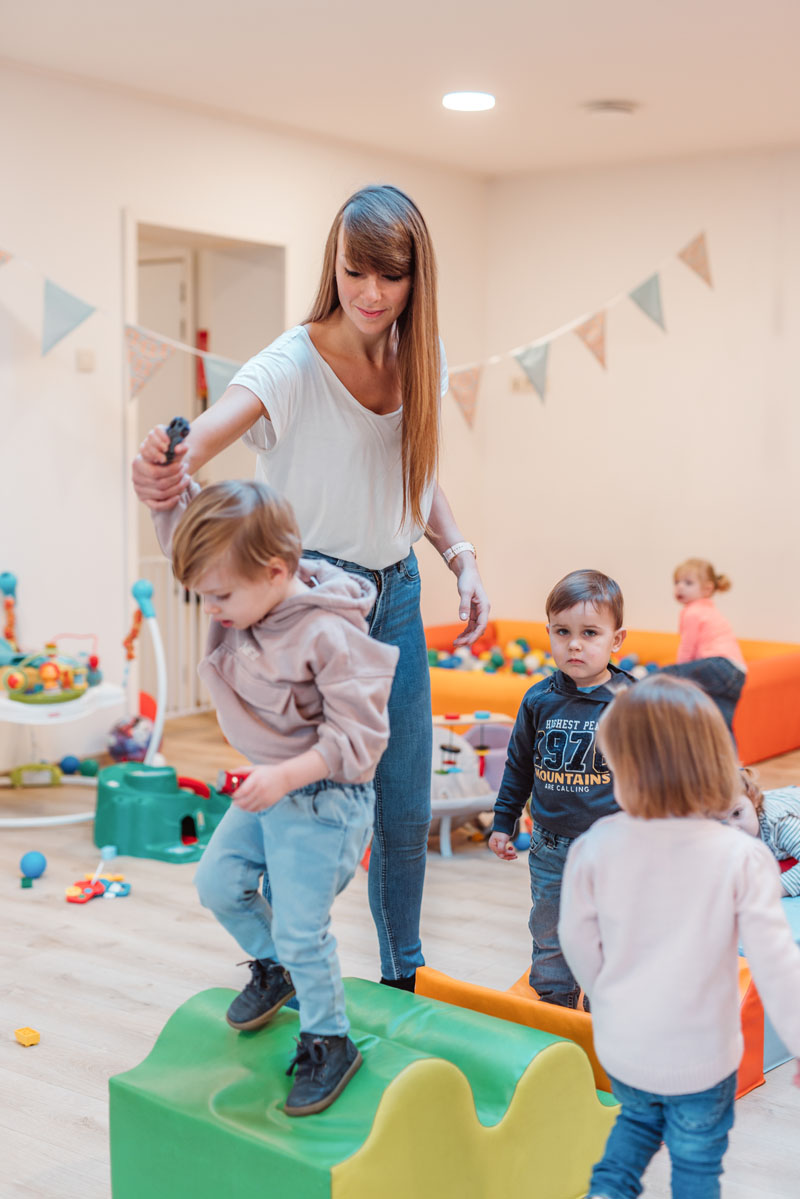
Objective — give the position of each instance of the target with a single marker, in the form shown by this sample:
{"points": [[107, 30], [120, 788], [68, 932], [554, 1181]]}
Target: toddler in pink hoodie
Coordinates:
{"points": [[300, 689]]}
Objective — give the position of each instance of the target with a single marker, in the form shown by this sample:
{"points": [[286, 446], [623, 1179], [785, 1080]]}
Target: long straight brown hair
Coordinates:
{"points": [[385, 232]]}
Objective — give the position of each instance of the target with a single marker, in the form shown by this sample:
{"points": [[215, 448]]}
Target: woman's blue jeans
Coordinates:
{"points": [[403, 777], [694, 1128]]}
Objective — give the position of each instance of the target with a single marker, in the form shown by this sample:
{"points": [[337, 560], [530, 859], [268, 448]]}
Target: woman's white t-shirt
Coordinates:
{"points": [[337, 463]]}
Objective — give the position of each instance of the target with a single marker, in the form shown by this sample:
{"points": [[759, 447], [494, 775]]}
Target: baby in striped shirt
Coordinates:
{"points": [[774, 816]]}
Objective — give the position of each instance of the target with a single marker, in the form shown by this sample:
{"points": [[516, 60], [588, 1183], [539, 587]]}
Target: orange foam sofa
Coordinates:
{"points": [[767, 720]]}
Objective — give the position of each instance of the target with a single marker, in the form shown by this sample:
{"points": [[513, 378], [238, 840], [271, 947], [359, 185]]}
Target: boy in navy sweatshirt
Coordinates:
{"points": [[553, 758]]}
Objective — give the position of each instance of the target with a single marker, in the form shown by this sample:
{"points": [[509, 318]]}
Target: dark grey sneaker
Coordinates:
{"points": [[269, 988], [325, 1066]]}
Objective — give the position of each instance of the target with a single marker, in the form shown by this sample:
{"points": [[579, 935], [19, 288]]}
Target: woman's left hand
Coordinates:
{"points": [[474, 603]]}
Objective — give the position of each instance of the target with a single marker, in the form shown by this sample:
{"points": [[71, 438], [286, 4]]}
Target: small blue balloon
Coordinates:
{"points": [[33, 864]]}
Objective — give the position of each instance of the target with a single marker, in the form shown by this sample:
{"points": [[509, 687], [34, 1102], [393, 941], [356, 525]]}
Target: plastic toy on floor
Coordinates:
{"points": [[448, 1103]]}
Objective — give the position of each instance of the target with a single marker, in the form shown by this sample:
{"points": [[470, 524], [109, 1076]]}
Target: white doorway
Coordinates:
{"points": [[211, 293]]}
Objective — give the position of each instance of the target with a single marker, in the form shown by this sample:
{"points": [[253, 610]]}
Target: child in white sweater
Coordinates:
{"points": [[655, 901]]}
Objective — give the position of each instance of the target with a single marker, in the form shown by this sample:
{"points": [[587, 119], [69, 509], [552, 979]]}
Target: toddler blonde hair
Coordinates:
{"points": [[704, 571], [751, 787], [245, 521], [669, 750]]}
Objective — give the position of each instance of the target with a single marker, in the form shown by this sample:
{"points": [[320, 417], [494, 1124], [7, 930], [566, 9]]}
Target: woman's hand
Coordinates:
{"points": [[474, 603], [159, 483]]}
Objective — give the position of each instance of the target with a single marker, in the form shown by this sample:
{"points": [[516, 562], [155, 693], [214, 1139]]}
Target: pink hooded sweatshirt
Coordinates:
{"points": [[307, 676]]}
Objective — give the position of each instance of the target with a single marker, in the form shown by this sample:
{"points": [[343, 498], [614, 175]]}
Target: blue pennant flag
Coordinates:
{"points": [[648, 296], [63, 312], [533, 360], [219, 372]]}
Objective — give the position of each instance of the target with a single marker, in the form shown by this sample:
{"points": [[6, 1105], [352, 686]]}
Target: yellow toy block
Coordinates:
{"points": [[27, 1036]]}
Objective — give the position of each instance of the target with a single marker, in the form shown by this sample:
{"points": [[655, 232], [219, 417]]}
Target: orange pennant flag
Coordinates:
{"points": [[695, 255], [464, 389], [145, 355], [593, 334]]}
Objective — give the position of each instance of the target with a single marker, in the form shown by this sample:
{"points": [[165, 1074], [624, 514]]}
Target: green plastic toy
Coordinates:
{"points": [[149, 812]]}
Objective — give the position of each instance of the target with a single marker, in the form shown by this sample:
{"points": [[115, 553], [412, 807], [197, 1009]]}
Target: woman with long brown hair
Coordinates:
{"points": [[343, 413]]}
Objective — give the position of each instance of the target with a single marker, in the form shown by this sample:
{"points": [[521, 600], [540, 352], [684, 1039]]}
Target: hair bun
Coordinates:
{"points": [[722, 583]]}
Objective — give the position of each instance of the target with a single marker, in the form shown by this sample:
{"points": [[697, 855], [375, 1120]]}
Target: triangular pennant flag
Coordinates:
{"points": [[593, 334], [4, 257], [219, 372], [695, 255], [464, 387], [145, 356], [63, 312], [533, 360], [648, 296]]}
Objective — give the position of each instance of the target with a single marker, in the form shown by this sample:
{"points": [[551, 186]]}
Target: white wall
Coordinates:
{"points": [[688, 444], [74, 157]]}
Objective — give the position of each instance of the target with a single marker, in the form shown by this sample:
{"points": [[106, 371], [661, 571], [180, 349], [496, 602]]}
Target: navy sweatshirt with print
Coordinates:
{"points": [[553, 758]]}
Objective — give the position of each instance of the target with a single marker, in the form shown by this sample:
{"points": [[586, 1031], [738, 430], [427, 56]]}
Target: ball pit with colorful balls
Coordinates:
{"points": [[517, 657]]}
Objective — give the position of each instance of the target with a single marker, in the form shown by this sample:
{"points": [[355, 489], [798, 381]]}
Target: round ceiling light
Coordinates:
{"points": [[468, 101]]}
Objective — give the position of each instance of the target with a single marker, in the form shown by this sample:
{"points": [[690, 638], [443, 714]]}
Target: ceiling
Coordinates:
{"points": [[709, 75]]}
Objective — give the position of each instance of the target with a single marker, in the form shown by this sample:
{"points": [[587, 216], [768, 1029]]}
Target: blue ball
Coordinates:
{"points": [[523, 841], [70, 764], [629, 661], [33, 864]]}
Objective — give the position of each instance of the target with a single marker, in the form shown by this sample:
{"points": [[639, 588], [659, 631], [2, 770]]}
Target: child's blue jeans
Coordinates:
{"points": [[308, 845], [550, 975], [694, 1128]]}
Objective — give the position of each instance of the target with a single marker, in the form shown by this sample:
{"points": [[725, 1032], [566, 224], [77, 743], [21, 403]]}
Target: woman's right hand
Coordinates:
{"points": [[159, 483]]}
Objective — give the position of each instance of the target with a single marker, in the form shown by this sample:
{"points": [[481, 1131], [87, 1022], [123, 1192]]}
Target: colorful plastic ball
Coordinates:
{"points": [[433, 657], [496, 658], [514, 650], [651, 667], [639, 672], [69, 764], [524, 645], [518, 666], [33, 864], [523, 841], [89, 767], [629, 661]]}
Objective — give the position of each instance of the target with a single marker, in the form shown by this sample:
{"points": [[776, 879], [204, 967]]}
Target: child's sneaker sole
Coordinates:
{"points": [[310, 1109], [263, 1018]]}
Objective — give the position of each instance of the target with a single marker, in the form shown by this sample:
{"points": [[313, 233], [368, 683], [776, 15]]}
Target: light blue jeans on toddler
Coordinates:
{"points": [[308, 845], [694, 1128], [550, 975]]}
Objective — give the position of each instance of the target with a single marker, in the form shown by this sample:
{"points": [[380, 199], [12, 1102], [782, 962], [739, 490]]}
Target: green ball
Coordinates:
{"points": [[518, 666], [433, 657], [89, 767], [497, 658]]}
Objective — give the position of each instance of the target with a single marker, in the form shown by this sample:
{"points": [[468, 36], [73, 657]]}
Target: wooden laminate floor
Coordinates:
{"points": [[99, 982]]}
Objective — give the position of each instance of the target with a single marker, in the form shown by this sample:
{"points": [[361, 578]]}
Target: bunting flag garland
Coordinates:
{"points": [[533, 360], [63, 312], [219, 372], [145, 355], [593, 335], [648, 296], [148, 350], [695, 255], [464, 390]]}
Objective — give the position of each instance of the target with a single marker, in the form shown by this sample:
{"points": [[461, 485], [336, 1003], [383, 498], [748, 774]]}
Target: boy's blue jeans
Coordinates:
{"points": [[308, 846], [694, 1127], [403, 777], [550, 975]]}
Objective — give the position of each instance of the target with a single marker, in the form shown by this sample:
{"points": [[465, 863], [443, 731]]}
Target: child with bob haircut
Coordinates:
{"points": [[708, 652], [656, 900], [553, 758], [300, 689], [774, 816]]}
